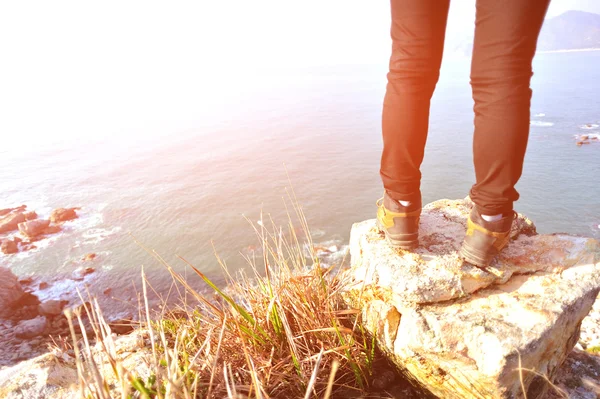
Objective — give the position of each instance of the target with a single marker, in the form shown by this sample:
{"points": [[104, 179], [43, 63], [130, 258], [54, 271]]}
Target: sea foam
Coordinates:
{"points": [[541, 123]]}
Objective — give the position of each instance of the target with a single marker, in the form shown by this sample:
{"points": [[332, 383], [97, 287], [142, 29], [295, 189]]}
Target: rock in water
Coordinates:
{"points": [[10, 291], [63, 214], [6, 211], [30, 215], [34, 228], [89, 257], [11, 221], [8, 246], [80, 273], [464, 332]]}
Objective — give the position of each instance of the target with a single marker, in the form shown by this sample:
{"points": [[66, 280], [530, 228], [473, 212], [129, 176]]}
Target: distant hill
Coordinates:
{"points": [[571, 30], [568, 31]]}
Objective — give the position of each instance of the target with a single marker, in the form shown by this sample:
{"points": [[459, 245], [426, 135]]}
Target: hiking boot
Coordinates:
{"points": [[400, 224], [484, 240]]}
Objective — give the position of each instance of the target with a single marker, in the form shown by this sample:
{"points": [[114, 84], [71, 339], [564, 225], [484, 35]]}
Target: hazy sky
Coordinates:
{"points": [[78, 68]]}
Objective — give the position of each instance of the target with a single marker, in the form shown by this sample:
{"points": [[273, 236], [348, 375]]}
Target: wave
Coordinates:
{"points": [[541, 123], [540, 115], [96, 235], [589, 126], [329, 252], [64, 289], [587, 136]]}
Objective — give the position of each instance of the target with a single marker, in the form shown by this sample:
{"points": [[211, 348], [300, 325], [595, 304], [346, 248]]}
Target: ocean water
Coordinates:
{"points": [[190, 190]]}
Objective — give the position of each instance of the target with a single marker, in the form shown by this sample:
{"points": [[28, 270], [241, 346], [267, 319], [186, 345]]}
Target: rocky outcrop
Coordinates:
{"points": [[10, 291], [464, 332], [13, 220]]}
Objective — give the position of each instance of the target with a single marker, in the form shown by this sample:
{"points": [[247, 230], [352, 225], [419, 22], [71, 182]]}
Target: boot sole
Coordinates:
{"points": [[475, 257], [402, 241]]}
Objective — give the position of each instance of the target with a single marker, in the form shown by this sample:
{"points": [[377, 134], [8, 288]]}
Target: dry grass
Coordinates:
{"points": [[282, 332]]}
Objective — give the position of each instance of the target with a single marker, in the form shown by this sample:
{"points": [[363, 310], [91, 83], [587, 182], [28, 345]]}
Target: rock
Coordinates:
{"points": [[8, 246], [33, 228], [81, 272], [89, 257], [6, 211], [26, 280], [46, 376], [24, 350], [43, 285], [122, 326], [461, 331], [30, 215], [578, 377], [31, 328], [10, 291], [60, 215], [11, 222], [52, 307], [433, 272], [54, 375]]}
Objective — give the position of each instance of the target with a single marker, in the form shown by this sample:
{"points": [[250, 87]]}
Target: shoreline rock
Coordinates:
{"points": [[11, 291]]}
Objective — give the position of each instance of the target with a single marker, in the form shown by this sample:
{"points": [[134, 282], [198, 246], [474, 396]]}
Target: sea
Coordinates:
{"points": [[308, 137]]}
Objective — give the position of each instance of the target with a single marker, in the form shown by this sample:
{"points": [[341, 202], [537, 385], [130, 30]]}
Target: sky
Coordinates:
{"points": [[76, 69]]}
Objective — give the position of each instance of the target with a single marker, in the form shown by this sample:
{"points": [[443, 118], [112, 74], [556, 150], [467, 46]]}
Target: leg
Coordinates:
{"points": [[418, 29], [506, 35]]}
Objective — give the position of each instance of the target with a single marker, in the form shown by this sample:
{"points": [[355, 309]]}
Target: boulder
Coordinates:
{"points": [[60, 215], [465, 332], [34, 228], [8, 246], [11, 222], [52, 307], [10, 291], [31, 328]]}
